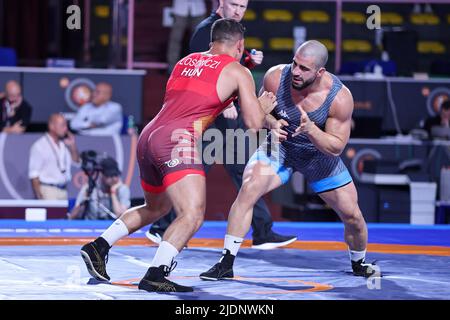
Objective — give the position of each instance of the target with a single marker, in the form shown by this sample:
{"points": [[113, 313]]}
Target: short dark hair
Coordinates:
{"points": [[227, 30], [110, 168], [445, 105]]}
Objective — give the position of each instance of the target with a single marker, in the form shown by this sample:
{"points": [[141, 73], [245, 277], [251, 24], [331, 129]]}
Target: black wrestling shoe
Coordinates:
{"points": [[222, 270], [272, 241], [155, 281], [362, 269], [95, 255]]}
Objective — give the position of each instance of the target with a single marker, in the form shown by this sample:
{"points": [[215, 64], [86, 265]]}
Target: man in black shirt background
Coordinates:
{"points": [[15, 112], [263, 235]]}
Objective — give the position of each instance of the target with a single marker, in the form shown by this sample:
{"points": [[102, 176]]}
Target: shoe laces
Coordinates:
{"points": [[373, 263], [168, 270]]}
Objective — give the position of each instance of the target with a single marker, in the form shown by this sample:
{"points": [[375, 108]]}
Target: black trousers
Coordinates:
{"points": [[262, 220]]}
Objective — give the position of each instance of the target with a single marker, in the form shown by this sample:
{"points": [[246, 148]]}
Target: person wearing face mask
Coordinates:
{"points": [[15, 112]]}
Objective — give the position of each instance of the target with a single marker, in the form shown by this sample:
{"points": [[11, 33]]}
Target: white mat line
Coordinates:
{"points": [[16, 266], [415, 279]]}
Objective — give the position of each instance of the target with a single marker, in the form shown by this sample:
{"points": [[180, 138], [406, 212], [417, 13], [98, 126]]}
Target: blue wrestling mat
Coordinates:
{"points": [[414, 261]]}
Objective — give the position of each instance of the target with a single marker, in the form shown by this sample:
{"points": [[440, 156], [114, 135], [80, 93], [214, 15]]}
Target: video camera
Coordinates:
{"points": [[90, 163]]}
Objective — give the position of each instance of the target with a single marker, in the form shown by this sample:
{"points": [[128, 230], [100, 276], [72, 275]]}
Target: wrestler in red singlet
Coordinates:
{"points": [[167, 147], [167, 155]]}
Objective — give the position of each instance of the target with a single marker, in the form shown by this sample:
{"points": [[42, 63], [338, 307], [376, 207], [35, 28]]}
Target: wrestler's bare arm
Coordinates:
{"points": [[334, 138], [271, 83]]}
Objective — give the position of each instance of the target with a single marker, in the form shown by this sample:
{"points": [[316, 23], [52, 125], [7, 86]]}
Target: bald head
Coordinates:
{"points": [[57, 125], [12, 86], [232, 9], [13, 91], [102, 93], [308, 64], [105, 86], [316, 50], [54, 117]]}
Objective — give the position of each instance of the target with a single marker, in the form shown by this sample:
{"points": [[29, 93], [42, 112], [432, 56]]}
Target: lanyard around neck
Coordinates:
{"points": [[61, 168]]}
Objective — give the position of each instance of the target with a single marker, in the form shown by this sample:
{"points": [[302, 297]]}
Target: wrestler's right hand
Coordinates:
{"points": [[268, 102]]}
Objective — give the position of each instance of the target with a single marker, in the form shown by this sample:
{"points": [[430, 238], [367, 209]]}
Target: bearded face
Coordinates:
{"points": [[303, 72], [299, 83]]}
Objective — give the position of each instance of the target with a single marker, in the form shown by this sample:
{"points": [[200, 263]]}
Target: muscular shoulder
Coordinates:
{"points": [[342, 106], [272, 78], [232, 77], [235, 69]]}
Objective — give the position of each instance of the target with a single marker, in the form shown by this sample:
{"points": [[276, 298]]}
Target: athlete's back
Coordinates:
{"points": [[200, 87], [191, 95]]}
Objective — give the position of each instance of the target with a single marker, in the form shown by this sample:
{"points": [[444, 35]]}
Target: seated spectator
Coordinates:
{"points": [[110, 197], [441, 120], [51, 157], [101, 116], [15, 112]]}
